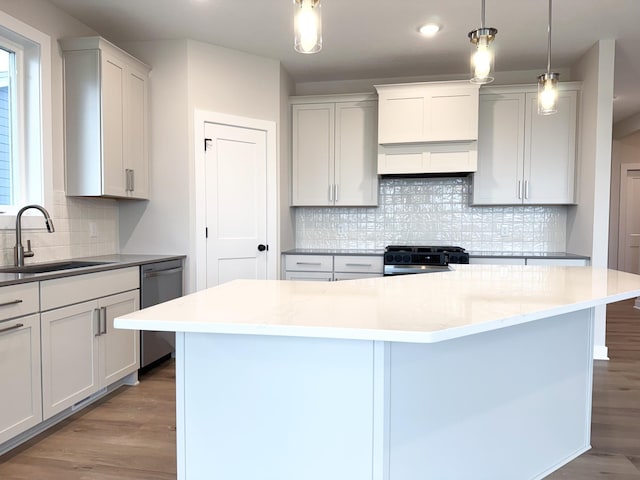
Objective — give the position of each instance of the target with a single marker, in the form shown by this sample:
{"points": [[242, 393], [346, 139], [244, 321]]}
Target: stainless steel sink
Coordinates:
{"points": [[50, 267]]}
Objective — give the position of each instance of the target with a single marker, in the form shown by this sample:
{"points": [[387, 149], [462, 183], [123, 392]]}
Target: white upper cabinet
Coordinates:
{"points": [[523, 157], [428, 112], [427, 127], [334, 151], [106, 120]]}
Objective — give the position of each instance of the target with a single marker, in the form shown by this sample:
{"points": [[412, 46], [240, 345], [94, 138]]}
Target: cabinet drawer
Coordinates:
{"points": [[358, 263], [339, 276], [309, 276], [309, 263], [558, 262], [80, 288], [497, 261], [18, 300]]}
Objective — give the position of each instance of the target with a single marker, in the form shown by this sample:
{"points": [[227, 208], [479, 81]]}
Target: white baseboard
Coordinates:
{"points": [[600, 352]]}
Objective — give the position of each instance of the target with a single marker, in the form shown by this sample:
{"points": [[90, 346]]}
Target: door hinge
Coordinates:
{"points": [[206, 143], [206, 232]]}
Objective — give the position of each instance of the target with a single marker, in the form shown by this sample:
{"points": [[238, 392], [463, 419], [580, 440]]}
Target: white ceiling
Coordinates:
{"points": [[379, 39]]}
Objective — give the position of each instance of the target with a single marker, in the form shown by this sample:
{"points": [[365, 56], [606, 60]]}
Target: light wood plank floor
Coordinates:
{"points": [[130, 435]]}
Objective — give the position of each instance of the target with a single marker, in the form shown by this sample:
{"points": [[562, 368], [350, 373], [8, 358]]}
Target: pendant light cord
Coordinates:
{"points": [[482, 16], [549, 40]]}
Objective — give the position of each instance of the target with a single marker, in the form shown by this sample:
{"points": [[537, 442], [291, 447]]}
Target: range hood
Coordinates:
{"points": [[428, 128]]}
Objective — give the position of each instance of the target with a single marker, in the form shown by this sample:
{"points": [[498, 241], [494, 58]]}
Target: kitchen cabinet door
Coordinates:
{"points": [[500, 149], [136, 134], [70, 360], [355, 172], [82, 352], [428, 112], [334, 151], [20, 375], [525, 158], [120, 354], [106, 120], [113, 85], [313, 140], [550, 152]]}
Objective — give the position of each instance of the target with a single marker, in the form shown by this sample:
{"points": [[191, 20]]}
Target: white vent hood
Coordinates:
{"points": [[427, 128]]}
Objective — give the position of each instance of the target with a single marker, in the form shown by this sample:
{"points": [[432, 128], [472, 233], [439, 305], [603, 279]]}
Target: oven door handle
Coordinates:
{"points": [[408, 269]]}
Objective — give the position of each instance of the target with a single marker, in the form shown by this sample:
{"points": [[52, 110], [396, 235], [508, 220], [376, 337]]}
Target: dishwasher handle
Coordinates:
{"points": [[160, 273]]}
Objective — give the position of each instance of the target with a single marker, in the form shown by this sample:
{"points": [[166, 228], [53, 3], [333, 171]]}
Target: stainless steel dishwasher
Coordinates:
{"points": [[160, 282]]}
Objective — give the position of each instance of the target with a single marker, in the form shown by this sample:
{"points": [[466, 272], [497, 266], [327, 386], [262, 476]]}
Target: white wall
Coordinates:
{"points": [[287, 214], [71, 216], [161, 225], [186, 76], [588, 222]]}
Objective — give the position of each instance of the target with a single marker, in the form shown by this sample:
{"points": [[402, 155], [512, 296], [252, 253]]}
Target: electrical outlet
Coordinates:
{"points": [[93, 230]]}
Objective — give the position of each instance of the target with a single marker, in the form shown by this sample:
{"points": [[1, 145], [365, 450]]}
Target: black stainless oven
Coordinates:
{"points": [[403, 260]]}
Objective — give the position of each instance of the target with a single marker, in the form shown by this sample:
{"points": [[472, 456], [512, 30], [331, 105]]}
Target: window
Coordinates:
{"points": [[8, 122], [25, 117]]}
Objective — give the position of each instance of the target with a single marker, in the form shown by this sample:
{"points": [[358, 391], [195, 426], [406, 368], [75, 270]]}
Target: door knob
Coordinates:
{"points": [[262, 248]]}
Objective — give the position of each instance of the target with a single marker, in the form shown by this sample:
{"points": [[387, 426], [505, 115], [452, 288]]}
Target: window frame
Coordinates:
{"points": [[34, 128]]}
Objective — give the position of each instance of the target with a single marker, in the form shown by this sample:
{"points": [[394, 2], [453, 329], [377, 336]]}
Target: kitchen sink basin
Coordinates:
{"points": [[50, 267]]}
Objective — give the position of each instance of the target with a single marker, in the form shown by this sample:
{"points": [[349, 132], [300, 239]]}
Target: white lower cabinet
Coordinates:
{"points": [[554, 262], [559, 262], [19, 375], [329, 268], [81, 351]]}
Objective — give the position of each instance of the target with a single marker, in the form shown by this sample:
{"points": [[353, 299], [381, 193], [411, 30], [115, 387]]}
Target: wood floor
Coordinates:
{"points": [[130, 435]]}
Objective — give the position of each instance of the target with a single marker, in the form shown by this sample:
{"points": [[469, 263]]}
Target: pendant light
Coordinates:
{"points": [[482, 56], [307, 26], [548, 82]]}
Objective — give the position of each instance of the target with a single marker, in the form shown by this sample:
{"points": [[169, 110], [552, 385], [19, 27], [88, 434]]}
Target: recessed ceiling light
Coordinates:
{"points": [[429, 30]]}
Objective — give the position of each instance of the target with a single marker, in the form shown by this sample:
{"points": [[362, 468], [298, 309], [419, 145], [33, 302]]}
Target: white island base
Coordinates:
{"points": [[481, 373], [512, 403]]}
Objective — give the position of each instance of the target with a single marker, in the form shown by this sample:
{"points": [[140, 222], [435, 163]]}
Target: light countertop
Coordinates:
{"points": [[425, 308]]}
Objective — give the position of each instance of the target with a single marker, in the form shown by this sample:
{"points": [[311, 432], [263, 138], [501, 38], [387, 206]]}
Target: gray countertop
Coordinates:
{"points": [[549, 255], [112, 262]]}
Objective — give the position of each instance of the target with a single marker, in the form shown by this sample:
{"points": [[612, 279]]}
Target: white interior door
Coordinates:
{"points": [[629, 248], [236, 203]]}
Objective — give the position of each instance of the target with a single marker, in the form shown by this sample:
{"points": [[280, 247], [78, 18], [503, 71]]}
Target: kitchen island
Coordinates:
{"points": [[483, 372]]}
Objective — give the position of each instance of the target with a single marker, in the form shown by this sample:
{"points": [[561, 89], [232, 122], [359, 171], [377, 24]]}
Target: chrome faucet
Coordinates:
{"points": [[18, 251]]}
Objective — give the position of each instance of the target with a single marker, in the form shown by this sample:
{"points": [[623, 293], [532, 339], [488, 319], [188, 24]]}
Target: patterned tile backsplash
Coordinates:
{"points": [[432, 211]]}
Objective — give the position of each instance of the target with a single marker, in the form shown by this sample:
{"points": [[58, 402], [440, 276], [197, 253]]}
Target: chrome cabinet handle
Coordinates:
{"points": [[308, 263], [96, 315], [336, 194], [331, 193], [103, 320], [526, 189], [14, 327], [357, 265], [130, 180], [519, 189], [12, 302]]}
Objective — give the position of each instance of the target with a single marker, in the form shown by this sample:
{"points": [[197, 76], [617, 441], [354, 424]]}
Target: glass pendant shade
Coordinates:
{"points": [[482, 56], [548, 93], [548, 82], [307, 25]]}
